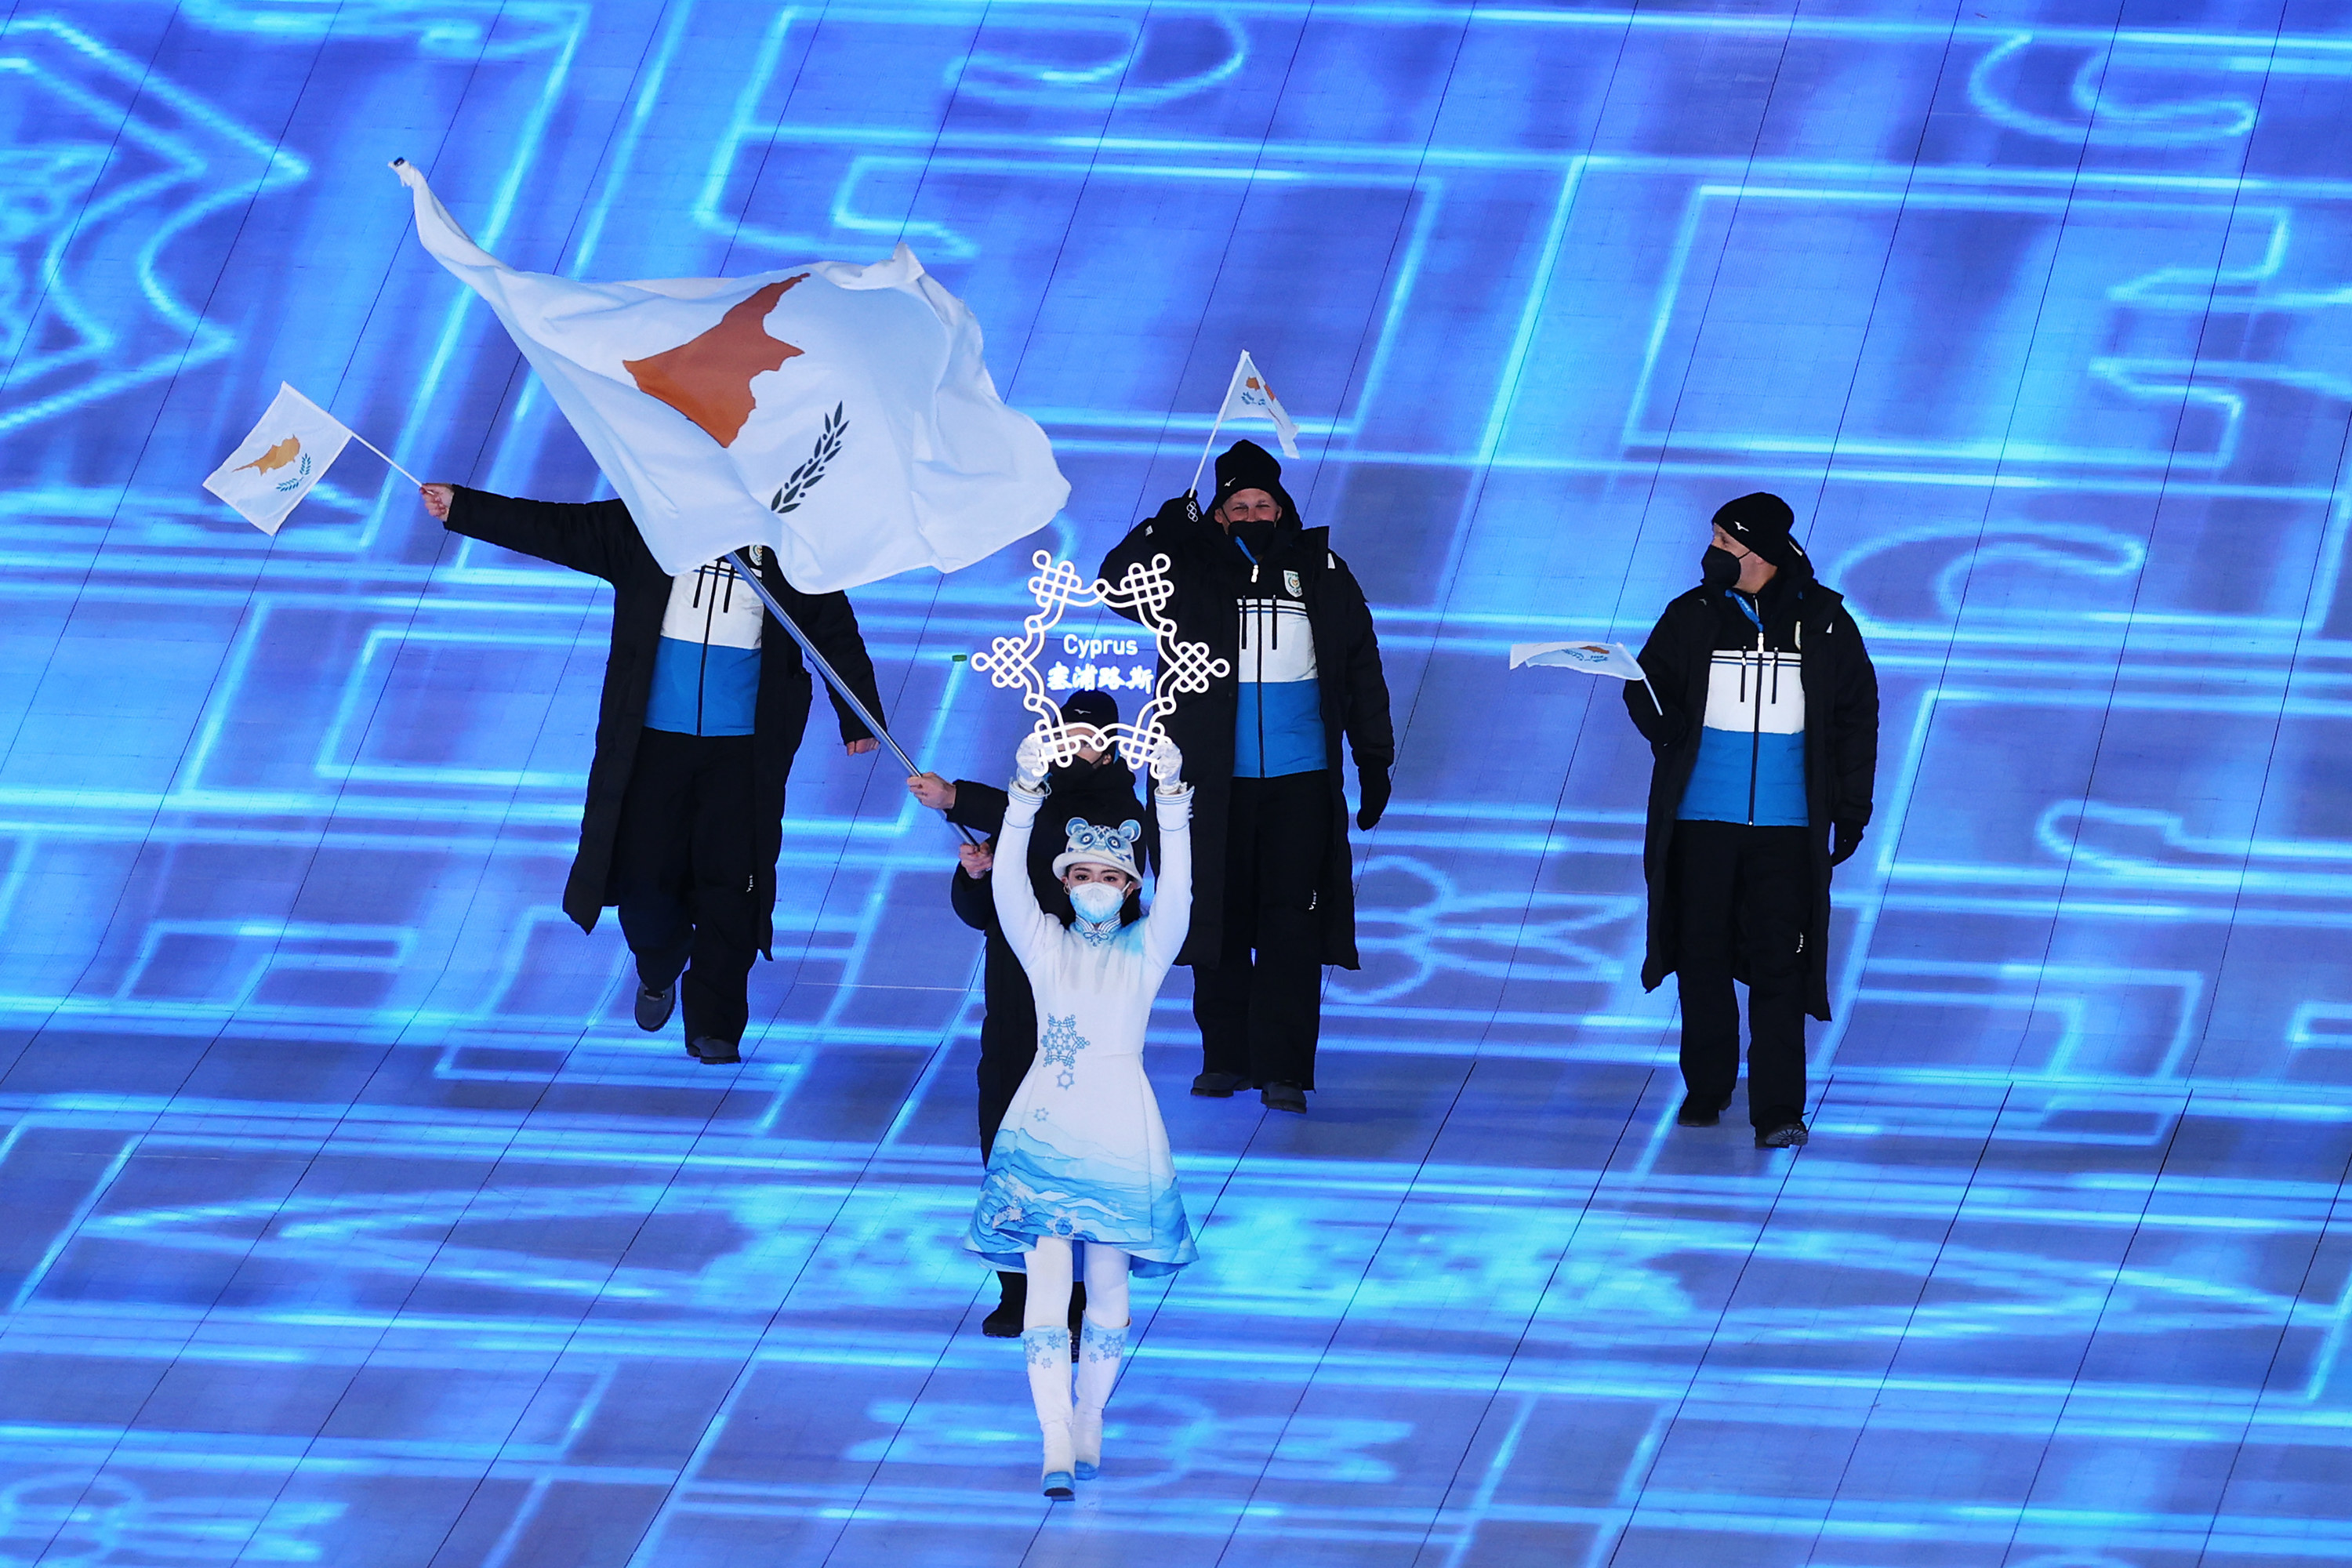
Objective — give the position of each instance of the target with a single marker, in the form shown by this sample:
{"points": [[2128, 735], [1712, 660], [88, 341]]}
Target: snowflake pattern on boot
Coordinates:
{"points": [[1048, 1347]]}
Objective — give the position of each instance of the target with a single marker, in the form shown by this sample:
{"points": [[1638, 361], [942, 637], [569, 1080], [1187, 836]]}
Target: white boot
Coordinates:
{"points": [[1100, 1350], [1048, 1350]]}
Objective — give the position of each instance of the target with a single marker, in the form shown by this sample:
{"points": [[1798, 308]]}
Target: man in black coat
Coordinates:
{"points": [[1097, 787], [705, 702], [1765, 729], [1273, 887]]}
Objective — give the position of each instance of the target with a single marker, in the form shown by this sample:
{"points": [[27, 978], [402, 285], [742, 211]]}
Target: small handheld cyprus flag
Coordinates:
{"points": [[1593, 658], [1247, 397], [270, 472]]}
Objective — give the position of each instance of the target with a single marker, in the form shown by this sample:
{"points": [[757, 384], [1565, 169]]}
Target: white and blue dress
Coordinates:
{"points": [[1083, 1152]]}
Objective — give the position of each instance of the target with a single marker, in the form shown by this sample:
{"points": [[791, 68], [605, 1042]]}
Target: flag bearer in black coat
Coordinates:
{"points": [[705, 702], [1098, 788], [1273, 888], [1767, 746]]}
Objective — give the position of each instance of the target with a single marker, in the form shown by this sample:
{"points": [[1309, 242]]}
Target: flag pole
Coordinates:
{"points": [[380, 452], [832, 676], [1201, 467]]}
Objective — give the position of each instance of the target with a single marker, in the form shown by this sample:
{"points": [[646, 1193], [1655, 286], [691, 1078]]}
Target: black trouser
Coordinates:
{"points": [[1743, 896], [1008, 1037], [684, 868], [1259, 1015]]}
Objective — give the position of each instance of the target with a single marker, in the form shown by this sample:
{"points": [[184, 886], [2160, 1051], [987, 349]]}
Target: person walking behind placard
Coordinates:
{"points": [[1094, 786], [1083, 1157], [705, 702], [1765, 729], [1274, 893]]}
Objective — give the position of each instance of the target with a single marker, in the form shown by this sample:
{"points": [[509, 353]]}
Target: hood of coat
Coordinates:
{"points": [[1796, 570]]}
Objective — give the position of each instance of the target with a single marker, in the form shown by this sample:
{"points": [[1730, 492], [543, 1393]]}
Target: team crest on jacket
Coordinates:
{"points": [[1290, 581]]}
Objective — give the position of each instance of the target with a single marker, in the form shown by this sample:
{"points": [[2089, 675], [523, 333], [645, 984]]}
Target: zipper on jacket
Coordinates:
{"points": [[1755, 740], [1756, 709], [702, 659], [1250, 556]]}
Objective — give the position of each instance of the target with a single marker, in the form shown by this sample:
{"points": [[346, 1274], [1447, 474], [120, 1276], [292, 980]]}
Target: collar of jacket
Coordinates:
{"points": [[1818, 606], [1290, 543]]}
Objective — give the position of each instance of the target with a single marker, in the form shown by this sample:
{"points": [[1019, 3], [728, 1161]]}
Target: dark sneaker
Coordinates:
{"points": [[714, 1053], [1216, 1085], [1694, 1114], [1284, 1097], [1788, 1135], [653, 1006], [1012, 1301]]}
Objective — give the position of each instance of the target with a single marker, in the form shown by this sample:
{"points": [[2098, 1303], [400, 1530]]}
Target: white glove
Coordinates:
{"points": [[1167, 763], [1029, 762]]}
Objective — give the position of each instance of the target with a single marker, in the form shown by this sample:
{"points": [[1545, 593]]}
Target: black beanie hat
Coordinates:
{"points": [[1246, 466], [1761, 522], [1098, 709]]}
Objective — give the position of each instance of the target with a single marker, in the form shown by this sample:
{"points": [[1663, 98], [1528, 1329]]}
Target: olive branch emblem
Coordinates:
{"points": [[805, 478]]}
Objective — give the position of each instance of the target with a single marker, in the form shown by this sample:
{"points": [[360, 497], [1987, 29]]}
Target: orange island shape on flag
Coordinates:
{"points": [[707, 378], [277, 458]]}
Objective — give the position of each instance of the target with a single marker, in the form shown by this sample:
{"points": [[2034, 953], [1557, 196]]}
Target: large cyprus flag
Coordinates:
{"points": [[839, 415]]}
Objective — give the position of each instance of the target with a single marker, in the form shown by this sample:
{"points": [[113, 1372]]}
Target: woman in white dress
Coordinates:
{"points": [[1083, 1156]]}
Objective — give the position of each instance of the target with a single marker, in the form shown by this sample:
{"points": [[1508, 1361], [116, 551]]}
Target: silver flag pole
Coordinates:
{"points": [[832, 676]]}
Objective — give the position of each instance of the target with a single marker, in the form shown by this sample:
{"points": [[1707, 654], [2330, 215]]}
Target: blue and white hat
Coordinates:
{"points": [[1092, 844]]}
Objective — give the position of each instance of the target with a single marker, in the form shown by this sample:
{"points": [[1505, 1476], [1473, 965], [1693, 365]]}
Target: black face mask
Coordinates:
{"points": [[1718, 568]]}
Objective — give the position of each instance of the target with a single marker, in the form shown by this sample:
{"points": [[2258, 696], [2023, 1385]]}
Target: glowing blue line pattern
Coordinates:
{"points": [[351, 1220]]}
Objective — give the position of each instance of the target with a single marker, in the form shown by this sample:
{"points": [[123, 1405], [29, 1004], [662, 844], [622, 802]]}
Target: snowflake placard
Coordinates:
{"points": [[1185, 667]]}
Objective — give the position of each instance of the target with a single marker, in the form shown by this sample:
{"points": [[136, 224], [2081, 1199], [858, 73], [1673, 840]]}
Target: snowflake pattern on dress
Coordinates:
{"points": [[1061, 1045]]}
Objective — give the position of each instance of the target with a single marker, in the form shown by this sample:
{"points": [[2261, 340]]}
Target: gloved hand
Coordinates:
{"points": [[1373, 783], [1029, 762], [1167, 763], [1845, 838], [1176, 510]]}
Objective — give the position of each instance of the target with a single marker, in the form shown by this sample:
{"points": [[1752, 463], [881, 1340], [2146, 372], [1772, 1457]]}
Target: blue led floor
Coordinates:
{"points": [[345, 1219]]}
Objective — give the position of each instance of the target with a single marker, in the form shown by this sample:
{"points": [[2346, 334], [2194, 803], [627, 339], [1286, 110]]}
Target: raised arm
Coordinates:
{"points": [[1166, 533], [599, 538], [1169, 919], [1026, 926]]}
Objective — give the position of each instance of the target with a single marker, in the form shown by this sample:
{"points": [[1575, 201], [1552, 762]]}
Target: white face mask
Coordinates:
{"points": [[1097, 902]]}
